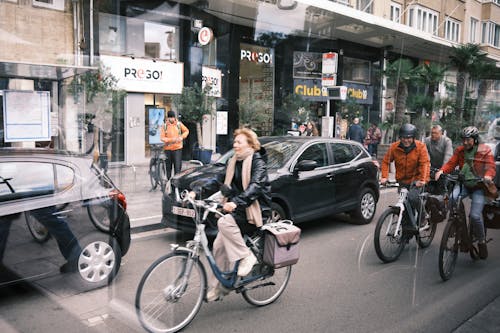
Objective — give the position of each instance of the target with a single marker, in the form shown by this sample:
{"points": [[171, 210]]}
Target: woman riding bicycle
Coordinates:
{"points": [[475, 161], [412, 165], [248, 202]]}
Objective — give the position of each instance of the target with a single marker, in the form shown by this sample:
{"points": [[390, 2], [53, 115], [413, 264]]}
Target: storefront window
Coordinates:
{"points": [[356, 70], [256, 99]]}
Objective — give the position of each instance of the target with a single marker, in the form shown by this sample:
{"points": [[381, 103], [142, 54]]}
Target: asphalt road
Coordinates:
{"points": [[339, 285]]}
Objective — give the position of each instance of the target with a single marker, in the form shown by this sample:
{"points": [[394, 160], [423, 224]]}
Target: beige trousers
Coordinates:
{"points": [[229, 246]]}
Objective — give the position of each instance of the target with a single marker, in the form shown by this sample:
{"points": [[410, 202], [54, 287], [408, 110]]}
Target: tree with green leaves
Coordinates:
{"points": [[400, 72], [193, 103], [466, 59]]}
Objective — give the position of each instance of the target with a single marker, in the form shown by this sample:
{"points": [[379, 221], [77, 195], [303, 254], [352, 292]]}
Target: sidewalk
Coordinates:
{"points": [[486, 320]]}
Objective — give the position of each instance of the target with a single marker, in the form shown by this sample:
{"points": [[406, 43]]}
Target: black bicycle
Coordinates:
{"points": [[392, 232], [158, 168], [458, 234]]}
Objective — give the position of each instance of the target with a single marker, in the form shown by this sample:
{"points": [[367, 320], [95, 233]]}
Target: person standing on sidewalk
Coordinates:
{"points": [[356, 132], [475, 160], [172, 133], [412, 164], [373, 136]]}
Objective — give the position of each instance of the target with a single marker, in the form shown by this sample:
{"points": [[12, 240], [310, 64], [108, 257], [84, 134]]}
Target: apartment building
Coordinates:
{"points": [[256, 50]]}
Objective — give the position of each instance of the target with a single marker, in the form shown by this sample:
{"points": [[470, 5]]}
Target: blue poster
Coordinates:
{"points": [[155, 120]]}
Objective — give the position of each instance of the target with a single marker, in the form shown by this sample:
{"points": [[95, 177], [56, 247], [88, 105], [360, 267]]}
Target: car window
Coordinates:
{"points": [[64, 177], [278, 153], [316, 152], [25, 179], [342, 152]]}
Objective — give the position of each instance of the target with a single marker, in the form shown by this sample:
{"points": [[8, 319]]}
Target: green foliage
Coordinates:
{"points": [[296, 108], [193, 103], [350, 109], [252, 113], [93, 82]]}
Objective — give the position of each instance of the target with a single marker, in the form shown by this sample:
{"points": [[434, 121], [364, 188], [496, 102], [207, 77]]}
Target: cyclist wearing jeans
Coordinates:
{"points": [[475, 160], [412, 164], [247, 201], [172, 134]]}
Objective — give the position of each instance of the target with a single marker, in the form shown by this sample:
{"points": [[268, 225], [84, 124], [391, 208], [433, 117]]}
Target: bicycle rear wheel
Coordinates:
{"points": [[39, 232], [427, 231], [448, 250], [267, 290], [153, 176], [170, 293], [389, 242], [162, 174]]}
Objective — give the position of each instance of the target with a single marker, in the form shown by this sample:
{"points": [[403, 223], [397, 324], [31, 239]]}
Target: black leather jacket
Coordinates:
{"points": [[259, 187]]}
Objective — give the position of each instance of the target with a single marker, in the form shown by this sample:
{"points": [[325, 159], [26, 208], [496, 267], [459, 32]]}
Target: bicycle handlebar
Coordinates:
{"points": [[209, 205]]}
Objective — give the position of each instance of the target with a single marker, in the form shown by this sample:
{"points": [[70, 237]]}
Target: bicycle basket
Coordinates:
{"points": [[281, 244]]}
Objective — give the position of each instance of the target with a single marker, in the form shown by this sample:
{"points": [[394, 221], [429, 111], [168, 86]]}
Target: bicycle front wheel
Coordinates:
{"points": [[389, 240], [266, 291], [170, 293], [448, 250], [153, 173]]}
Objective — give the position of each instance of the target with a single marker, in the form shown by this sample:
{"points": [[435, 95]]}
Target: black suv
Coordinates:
{"points": [[61, 220], [311, 177]]}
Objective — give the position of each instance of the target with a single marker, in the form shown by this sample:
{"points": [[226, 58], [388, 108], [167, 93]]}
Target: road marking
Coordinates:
{"points": [[145, 218], [151, 233]]}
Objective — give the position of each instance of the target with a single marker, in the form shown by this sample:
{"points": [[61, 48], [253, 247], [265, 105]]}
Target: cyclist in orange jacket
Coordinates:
{"points": [[172, 133], [412, 164]]}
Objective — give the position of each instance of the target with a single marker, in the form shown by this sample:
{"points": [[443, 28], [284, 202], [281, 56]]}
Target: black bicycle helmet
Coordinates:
{"points": [[470, 132], [408, 131]]}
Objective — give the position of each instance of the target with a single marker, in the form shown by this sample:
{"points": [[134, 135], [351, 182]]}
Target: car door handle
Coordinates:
{"points": [[330, 175], [360, 170]]}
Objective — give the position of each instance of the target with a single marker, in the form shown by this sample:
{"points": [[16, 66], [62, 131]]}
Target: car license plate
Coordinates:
{"points": [[183, 211]]}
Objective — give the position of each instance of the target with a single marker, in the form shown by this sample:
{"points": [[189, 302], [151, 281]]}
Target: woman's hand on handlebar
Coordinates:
{"points": [[229, 206]]}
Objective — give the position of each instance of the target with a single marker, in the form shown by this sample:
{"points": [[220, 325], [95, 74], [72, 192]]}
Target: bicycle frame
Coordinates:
{"points": [[229, 280], [404, 205]]}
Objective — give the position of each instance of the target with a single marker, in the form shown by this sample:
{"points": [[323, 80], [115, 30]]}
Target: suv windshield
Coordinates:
{"points": [[278, 153]]}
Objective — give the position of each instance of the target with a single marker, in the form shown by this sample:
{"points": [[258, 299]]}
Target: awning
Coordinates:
{"points": [[23, 70]]}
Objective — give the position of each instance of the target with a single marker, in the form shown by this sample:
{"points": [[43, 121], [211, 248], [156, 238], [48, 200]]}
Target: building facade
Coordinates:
{"points": [[99, 75]]}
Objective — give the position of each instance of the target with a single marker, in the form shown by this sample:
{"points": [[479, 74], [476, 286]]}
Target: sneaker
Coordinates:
{"points": [[246, 265], [216, 294], [483, 250]]}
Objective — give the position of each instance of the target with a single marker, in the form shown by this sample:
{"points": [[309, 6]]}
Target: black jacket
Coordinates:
{"points": [[259, 187]]}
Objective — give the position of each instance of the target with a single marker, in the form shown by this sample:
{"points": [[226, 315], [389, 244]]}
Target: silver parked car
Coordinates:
{"points": [[61, 218]]}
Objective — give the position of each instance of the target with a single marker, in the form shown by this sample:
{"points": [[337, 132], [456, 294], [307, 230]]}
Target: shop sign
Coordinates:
{"points": [[205, 36], [310, 89], [143, 75], [255, 54], [307, 65], [363, 94], [213, 77], [329, 69]]}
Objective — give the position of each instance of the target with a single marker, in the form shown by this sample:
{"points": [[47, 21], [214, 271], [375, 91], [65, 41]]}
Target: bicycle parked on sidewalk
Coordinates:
{"points": [[173, 288], [458, 234], [391, 234], [158, 168]]}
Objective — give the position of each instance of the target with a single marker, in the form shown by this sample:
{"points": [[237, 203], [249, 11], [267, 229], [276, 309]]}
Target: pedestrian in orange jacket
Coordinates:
{"points": [[172, 133]]}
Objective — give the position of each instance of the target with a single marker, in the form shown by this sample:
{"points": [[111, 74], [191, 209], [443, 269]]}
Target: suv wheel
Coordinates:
{"points": [[365, 207], [277, 212]]}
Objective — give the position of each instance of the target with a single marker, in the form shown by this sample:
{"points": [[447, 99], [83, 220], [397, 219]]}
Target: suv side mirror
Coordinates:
{"points": [[305, 165]]}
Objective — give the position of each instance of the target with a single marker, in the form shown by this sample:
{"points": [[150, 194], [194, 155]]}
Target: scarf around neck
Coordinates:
{"points": [[253, 212]]}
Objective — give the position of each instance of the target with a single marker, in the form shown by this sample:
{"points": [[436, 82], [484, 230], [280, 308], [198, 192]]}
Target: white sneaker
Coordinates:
{"points": [[216, 294], [246, 265]]}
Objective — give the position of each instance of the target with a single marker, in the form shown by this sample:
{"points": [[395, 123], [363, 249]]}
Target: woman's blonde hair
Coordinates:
{"points": [[252, 139]]}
